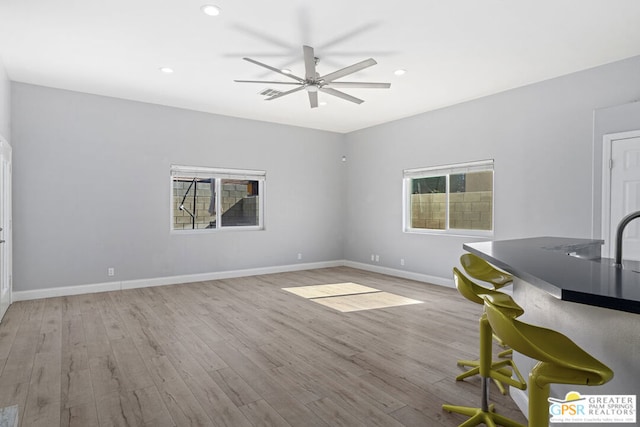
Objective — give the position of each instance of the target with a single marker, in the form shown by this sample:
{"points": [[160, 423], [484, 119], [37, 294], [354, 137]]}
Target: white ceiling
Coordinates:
{"points": [[453, 50]]}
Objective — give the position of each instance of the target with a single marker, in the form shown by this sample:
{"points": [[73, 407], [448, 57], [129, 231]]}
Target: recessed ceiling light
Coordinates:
{"points": [[166, 70], [286, 71], [400, 72], [322, 103], [211, 10]]}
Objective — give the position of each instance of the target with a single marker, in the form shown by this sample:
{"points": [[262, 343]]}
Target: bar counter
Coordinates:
{"points": [[584, 278], [564, 285]]}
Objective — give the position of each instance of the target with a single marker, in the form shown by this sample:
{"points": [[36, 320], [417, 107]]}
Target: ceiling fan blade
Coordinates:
{"points": [[313, 99], [267, 82], [284, 93], [360, 84], [309, 63], [341, 95], [348, 70], [269, 67]]}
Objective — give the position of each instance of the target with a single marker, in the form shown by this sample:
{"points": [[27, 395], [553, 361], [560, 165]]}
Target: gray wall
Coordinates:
{"points": [[621, 118], [540, 137], [91, 190], [5, 103]]}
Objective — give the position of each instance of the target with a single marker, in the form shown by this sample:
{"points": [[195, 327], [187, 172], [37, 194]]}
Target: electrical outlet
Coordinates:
{"points": [[299, 256], [111, 271], [373, 257], [377, 258], [401, 261]]}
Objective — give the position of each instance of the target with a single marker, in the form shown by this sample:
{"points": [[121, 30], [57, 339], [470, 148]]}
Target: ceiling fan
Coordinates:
{"points": [[314, 82]]}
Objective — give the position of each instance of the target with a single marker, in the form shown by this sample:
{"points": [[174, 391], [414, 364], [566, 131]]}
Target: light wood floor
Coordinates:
{"points": [[241, 352]]}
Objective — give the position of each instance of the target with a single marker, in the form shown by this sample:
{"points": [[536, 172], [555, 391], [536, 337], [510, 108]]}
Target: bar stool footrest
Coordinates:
{"points": [[500, 373]]}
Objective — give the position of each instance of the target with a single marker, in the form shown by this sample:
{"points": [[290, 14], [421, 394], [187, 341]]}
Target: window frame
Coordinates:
{"points": [[219, 174], [445, 170]]}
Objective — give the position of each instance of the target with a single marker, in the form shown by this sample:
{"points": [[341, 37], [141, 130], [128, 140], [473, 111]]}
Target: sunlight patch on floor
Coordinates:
{"points": [[321, 291], [347, 297]]}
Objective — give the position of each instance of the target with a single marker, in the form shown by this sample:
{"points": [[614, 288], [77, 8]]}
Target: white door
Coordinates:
{"points": [[5, 226], [624, 192]]}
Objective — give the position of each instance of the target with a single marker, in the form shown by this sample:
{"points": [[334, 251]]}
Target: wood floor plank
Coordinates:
{"points": [[197, 349], [42, 407], [215, 402], [139, 318], [75, 382], [51, 328], [300, 383], [148, 407], [73, 336], [182, 405], [325, 408], [83, 415], [115, 410], [97, 340], [14, 394], [113, 323], [234, 386], [76, 388], [411, 417], [353, 394], [261, 414], [19, 363], [242, 352], [133, 371], [266, 386], [10, 325], [105, 375]]}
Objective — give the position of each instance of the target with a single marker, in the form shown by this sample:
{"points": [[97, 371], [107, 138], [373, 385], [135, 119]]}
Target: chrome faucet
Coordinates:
{"points": [[623, 224]]}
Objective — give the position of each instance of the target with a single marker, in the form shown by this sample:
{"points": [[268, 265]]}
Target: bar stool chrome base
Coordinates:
{"points": [[483, 415]]}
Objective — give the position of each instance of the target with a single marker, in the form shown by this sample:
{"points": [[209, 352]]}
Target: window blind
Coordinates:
{"points": [[206, 172], [477, 166]]}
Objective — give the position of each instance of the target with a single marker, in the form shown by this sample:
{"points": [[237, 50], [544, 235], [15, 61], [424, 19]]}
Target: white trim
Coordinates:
{"points": [[521, 399], [446, 170], [457, 232], [162, 281], [65, 291], [7, 224], [478, 165], [190, 278], [225, 173], [605, 225], [216, 176], [435, 280]]}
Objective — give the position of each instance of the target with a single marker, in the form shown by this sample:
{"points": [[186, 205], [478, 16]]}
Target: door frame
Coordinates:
{"points": [[607, 145], [7, 224]]}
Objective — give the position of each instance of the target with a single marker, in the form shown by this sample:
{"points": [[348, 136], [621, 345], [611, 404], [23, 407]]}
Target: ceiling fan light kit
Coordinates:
{"points": [[210, 9], [314, 82]]}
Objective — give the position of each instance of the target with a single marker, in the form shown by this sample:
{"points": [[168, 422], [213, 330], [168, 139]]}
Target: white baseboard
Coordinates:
{"points": [[64, 291], [402, 273], [189, 278], [161, 281], [521, 399]]}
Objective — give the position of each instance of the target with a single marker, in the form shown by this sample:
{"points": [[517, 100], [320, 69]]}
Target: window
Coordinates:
{"points": [[211, 199], [452, 199]]}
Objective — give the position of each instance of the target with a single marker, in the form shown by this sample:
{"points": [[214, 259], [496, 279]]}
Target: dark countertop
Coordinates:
{"points": [[545, 262]]}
